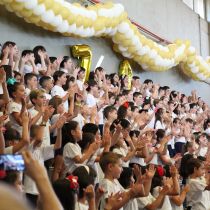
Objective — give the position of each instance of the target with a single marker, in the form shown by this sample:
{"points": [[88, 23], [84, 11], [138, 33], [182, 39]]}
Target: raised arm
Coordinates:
{"points": [[48, 199]]}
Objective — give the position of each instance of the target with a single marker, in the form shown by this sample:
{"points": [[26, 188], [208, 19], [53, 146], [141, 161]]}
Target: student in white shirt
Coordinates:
{"points": [[27, 64], [72, 154], [111, 165], [198, 195], [159, 121], [13, 141], [41, 59], [60, 80], [86, 195], [46, 82], [92, 91], [17, 105], [31, 82], [41, 113], [41, 153], [80, 78], [67, 65]]}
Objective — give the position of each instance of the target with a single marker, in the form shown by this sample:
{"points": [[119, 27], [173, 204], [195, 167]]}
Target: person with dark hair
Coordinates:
{"points": [[9, 51], [72, 153], [159, 120], [86, 195], [27, 63], [66, 191], [41, 60], [110, 113], [67, 65], [92, 93], [138, 99], [80, 78], [60, 80], [198, 195], [31, 82], [46, 84], [17, 76], [17, 105]]}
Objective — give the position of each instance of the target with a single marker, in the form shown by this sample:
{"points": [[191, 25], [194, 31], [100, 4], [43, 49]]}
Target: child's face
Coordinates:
{"points": [[60, 108], [39, 133], [31, 57], [77, 133], [112, 100], [49, 84], [18, 78], [69, 64], [41, 99], [63, 79], [33, 83], [81, 75], [113, 114], [116, 78], [116, 169], [20, 92], [200, 171]]}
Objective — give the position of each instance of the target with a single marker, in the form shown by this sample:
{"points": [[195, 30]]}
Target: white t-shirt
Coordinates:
{"points": [[80, 119], [70, 151], [15, 107], [159, 125], [91, 100], [122, 151], [27, 69], [59, 91], [198, 197], [109, 188], [27, 91], [41, 154], [131, 205], [46, 138], [81, 206], [80, 85], [166, 202], [144, 201], [138, 160]]}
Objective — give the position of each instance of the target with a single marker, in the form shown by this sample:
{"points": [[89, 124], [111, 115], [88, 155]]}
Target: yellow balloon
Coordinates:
{"points": [[84, 53], [16, 6], [125, 69]]}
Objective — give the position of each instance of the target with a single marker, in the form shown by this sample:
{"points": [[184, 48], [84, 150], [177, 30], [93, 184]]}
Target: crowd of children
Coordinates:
{"points": [[99, 144]]}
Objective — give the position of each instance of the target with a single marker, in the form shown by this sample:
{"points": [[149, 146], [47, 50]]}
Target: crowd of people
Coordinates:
{"points": [[98, 144]]}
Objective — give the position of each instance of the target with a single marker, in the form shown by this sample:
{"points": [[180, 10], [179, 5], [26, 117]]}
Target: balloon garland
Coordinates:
{"points": [[111, 20]]}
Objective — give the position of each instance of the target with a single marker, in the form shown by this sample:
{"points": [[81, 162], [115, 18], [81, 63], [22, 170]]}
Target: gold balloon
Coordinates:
{"points": [[84, 53], [125, 69]]}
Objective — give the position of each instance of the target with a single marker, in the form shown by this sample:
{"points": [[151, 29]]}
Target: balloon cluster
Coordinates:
{"points": [[111, 20]]}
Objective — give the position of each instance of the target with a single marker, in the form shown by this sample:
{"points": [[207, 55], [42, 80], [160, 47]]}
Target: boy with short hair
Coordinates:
{"points": [[40, 153], [31, 82], [27, 63], [111, 164], [46, 83]]}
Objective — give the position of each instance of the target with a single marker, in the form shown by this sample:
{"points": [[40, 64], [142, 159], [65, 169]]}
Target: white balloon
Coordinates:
{"points": [[123, 27], [195, 69], [39, 9], [57, 20], [122, 49], [48, 16], [201, 76], [72, 28], [31, 4], [63, 27]]}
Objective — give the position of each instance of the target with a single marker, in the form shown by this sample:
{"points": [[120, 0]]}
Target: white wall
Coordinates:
{"points": [[170, 19]]}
